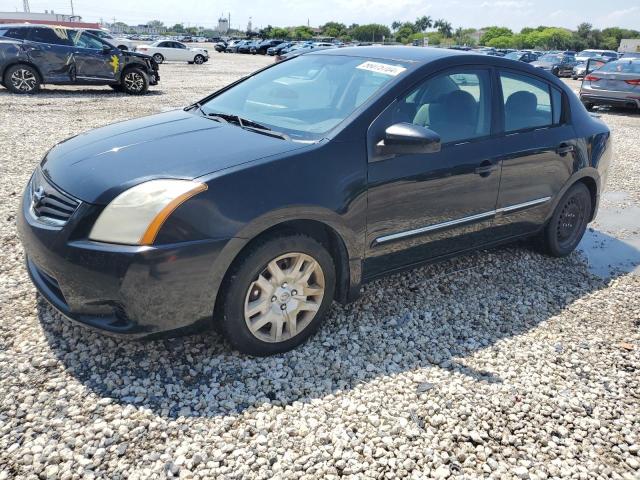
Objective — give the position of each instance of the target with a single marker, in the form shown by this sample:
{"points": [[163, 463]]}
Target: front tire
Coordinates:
{"points": [[135, 81], [22, 79], [198, 59], [277, 295], [569, 221]]}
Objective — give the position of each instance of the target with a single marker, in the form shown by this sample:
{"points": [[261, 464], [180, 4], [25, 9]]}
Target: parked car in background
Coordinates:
{"points": [[120, 42], [265, 45], [170, 50], [580, 69], [233, 47], [220, 47], [33, 55], [248, 47], [615, 84], [303, 50], [277, 50], [559, 64], [585, 55], [526, 57], [258, 206]]}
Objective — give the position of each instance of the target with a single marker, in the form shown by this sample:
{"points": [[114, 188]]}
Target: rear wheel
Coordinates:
{"points": [[135, 82], [22, 79], [569, 221], [278, 294], [198, 59], [158, 58]]}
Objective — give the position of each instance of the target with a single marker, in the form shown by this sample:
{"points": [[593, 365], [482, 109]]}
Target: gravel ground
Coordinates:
{"points": [[500, 364]]}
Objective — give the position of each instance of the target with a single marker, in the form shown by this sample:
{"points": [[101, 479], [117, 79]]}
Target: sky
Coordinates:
{"points": [[514, 14]]}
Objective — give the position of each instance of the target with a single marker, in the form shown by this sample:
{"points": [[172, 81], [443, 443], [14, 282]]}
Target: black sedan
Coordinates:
{"points": [[559, 64], [259, 205]]}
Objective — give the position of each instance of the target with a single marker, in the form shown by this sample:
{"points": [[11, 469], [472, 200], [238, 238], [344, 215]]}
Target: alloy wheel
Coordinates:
{"points": [[198, 60], [134, 82], [23, 80], [285, 297]]}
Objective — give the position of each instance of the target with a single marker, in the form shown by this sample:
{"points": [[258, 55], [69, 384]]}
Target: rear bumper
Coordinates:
{"points": [[611, 100]]}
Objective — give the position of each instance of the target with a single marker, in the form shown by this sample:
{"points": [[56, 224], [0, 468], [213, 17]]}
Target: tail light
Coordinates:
{"points": [[142, 49], [591, 78], [635, 82]]}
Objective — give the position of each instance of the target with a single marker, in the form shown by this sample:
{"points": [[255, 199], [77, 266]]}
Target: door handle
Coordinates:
{"points": [[486, 168], [563, 149]]}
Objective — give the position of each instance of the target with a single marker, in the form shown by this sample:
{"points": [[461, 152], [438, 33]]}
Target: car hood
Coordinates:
{"points": [[98, 165]]}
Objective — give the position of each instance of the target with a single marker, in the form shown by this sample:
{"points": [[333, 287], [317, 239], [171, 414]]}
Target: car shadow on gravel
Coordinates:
{"points": [[432, 317]]}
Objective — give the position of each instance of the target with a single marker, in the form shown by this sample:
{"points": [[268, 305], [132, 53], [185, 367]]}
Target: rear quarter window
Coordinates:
{"points": [[17, 33]]}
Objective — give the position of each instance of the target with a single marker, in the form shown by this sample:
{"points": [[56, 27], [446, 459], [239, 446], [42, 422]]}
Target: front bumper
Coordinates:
{"points": [[119, 289]]}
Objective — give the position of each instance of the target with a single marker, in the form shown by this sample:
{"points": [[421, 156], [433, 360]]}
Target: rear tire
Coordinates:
{"points": [[134, 81], [158, 58], [22, 79], [565, 229], [267, 304]]}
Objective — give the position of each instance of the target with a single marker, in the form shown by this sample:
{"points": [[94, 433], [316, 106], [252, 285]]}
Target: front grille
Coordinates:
{"points": [[48, 203]]}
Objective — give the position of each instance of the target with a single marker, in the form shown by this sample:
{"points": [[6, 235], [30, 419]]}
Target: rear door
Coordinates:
{"points": [[51, 51], [538, 148]]}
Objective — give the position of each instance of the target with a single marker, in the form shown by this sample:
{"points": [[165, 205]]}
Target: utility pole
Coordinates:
{"points": [[25, 4], [72, 14]]}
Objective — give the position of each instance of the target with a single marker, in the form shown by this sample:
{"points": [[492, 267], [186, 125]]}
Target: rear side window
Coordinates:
{"points": [[14, 32], [528, 102], [54, 36]]}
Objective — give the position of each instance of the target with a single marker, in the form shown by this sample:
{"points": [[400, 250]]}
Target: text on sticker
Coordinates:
{"points": [[383, 68]]}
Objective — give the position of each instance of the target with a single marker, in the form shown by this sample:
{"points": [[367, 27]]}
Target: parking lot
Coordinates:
{"points": [[504, 363]]}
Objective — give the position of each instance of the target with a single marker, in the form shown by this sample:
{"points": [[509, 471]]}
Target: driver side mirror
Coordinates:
{"points": [[406, 139]]}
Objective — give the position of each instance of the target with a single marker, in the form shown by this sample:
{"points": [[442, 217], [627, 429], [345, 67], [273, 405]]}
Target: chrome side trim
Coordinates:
{"points": [[453, 223], [519, 206], [437, 226]]}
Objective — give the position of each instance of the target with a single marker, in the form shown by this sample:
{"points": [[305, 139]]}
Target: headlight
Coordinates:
{"points": [[135, 216]]}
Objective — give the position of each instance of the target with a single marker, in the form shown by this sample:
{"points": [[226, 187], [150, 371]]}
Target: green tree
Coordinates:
{"points": [[494, 32], [444, 27], [505, 41], [334, 29], [302, 32], [423, 23], [178, 28], [279, 32], [405, 33], [372, 32], [156, 24], [395, 25]]}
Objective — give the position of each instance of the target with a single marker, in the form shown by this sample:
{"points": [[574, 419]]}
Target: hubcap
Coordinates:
{"points": [[23, 80], [198, 60], [134, 82], [570, 220], [285, 297]]}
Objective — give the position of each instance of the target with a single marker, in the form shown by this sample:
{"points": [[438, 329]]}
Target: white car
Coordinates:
{"points": [[120, 42], [170, 50]]}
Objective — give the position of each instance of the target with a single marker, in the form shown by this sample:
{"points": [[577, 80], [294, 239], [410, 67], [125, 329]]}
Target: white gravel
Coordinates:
{"points": [[500, 364]]}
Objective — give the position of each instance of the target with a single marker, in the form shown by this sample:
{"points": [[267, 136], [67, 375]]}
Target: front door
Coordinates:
{"points": [[430, 205], [95, 59]]}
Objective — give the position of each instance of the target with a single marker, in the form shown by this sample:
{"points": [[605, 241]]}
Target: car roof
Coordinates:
{"points": [[398, 53]]}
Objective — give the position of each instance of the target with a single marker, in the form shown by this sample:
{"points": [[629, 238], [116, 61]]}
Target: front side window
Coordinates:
{"points": [[456, 105], [307, 96], [82, 39], [527, 102]]}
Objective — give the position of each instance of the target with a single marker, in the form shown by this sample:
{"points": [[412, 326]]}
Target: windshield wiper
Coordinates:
{"points": [[246, 124]]}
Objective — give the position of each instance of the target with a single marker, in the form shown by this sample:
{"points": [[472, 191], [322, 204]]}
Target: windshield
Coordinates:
{"points": [[588, 54], [307, 96], [621, 66], [551, 58]]}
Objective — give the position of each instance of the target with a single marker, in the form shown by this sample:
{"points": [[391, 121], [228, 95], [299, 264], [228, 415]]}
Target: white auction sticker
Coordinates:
{"points": [[383, 68]]}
